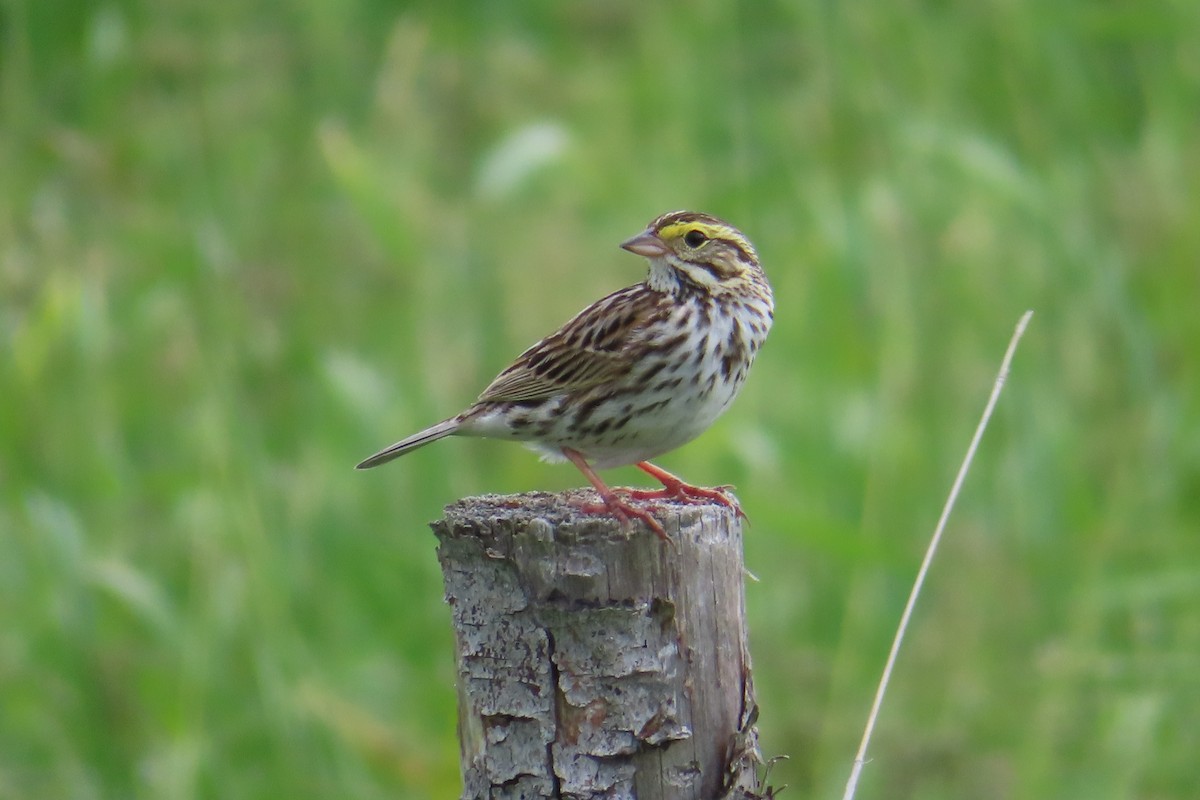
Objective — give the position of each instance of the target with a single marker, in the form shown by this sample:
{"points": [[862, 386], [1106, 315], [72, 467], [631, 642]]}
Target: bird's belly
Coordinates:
{"points": [[622, 429]]}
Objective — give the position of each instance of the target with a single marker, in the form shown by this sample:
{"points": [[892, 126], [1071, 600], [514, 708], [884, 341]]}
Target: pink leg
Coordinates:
{"points": [[612, 502]]}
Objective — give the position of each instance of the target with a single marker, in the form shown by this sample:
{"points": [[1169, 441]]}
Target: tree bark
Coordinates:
{"points": [[595, 661]]}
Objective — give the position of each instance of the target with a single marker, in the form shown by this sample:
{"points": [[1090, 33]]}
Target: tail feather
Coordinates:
{"points": [[430, 434]]}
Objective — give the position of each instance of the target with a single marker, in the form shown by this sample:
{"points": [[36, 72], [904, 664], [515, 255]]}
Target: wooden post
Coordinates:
{"points": [[595, 661]]}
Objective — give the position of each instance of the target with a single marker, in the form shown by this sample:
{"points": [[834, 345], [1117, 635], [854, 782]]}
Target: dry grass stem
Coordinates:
{"points": [[861, 758]]}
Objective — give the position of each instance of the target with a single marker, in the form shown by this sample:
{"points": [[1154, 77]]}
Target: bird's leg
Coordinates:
{"points": [[612, 502], [675, 488]]}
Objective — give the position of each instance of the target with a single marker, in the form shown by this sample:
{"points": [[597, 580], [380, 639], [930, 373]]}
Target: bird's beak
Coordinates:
{"points": [[646, 244]]}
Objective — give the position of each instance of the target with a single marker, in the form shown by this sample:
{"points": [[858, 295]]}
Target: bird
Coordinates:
{"points": [[636, 374]]}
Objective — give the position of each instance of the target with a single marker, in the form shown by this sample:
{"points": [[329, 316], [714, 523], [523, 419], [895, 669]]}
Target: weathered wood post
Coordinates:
{"points": [[594, 661]]}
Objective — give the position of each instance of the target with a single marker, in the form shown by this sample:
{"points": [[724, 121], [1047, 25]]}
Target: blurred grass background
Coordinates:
{"points": [[244, 245]]}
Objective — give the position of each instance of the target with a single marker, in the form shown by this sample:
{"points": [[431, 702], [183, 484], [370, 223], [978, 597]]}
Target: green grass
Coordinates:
{"points": [[242, 246]]}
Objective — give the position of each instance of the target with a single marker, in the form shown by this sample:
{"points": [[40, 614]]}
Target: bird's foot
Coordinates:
{"points": [[686, 493], [675, 488], [612, 503]]}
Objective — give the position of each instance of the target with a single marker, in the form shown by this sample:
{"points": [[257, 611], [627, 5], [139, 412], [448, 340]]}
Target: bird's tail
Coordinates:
{"points": [[431, 434]]}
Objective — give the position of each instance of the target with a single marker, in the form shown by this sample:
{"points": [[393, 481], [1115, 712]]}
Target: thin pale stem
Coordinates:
{"points": [[861, 758]]}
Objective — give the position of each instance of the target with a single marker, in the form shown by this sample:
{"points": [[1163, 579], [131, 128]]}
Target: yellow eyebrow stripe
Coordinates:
{"points": [[677, 229]]}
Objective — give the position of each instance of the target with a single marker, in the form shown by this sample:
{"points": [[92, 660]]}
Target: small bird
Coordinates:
{"points": [[636, 374]]}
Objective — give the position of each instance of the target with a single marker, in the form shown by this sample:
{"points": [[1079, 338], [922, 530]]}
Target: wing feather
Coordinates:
{"points": [[599, 345]]}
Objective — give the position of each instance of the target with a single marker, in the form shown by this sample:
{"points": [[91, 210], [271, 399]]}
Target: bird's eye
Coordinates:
{"points": [[694, 238]]}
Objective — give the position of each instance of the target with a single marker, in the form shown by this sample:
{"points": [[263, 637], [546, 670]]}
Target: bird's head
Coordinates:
{"points": [[687, 249]]}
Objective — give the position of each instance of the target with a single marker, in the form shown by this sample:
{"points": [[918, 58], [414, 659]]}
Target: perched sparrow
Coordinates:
{"points": [[638, 373]]}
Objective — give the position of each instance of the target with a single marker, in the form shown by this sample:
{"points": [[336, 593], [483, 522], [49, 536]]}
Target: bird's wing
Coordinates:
{"points": [[599, 345]]}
